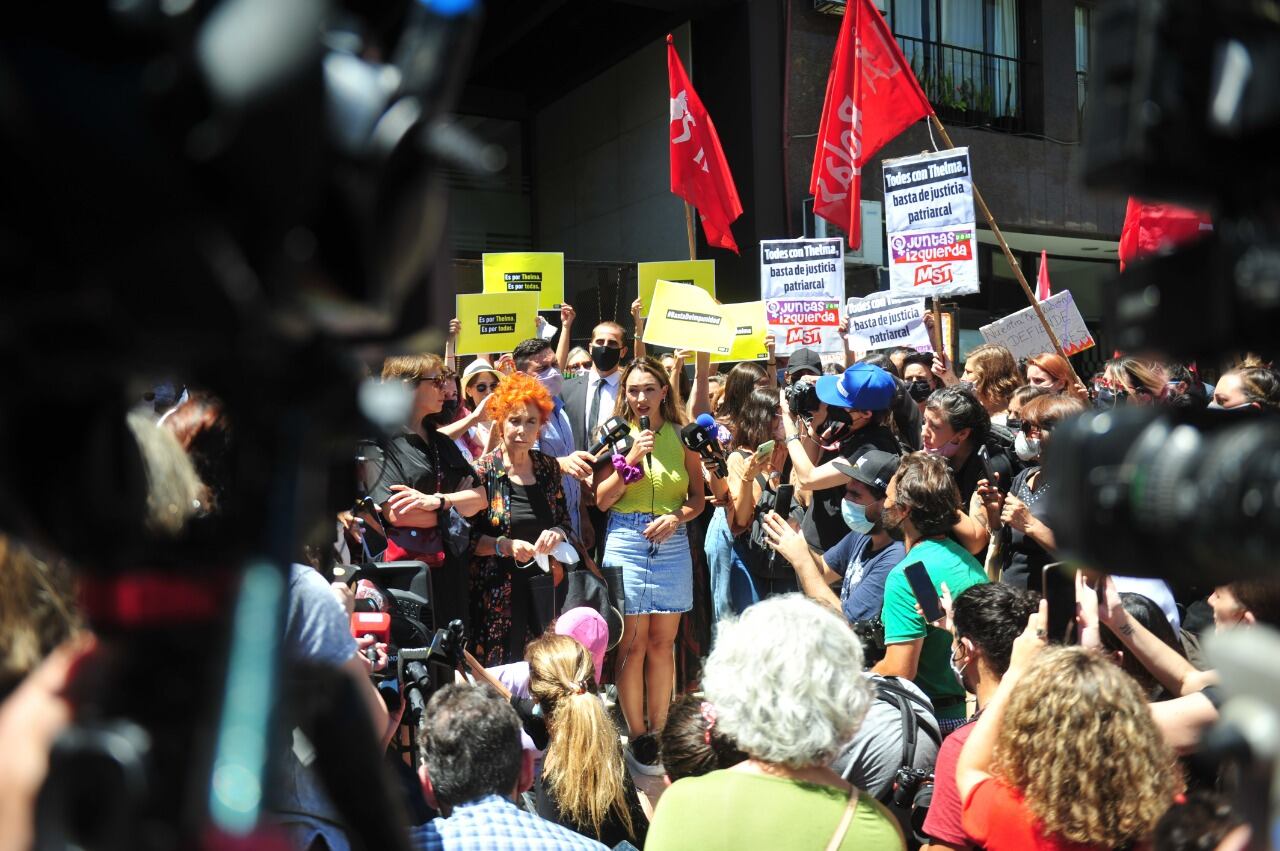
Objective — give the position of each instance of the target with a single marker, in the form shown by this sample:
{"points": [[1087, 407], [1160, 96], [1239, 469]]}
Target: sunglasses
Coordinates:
{"points": [[482, 387], [439, 381]]}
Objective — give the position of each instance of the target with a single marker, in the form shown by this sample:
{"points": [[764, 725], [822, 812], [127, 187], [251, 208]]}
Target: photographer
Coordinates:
{"points": [[862, 560], [955, 425], [845, 416], [1020, 511], [921, 504]]}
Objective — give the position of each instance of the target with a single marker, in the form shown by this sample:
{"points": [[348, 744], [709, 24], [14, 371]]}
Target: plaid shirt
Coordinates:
{"points": [[492, 823]]}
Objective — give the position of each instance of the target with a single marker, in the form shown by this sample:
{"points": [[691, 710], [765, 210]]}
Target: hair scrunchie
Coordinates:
{"points": [[708, 711], [630, 472]]}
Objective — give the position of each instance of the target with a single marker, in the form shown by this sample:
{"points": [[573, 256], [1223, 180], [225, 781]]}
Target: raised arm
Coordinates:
{"points": [[1168, 666], [700, 400], [802, 450], [567, 315], [450, 344], [638, 320]]}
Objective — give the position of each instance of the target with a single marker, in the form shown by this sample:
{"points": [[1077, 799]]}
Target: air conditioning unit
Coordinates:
{"points": [[871, 253]]}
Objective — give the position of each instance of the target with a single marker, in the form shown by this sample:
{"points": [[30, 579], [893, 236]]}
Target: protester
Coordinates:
{"points": [[1020, 508], [753, 479], [1135, 381], [803, 365], [536, 358], [1146, 612], [1053, 373], [472, 430], [1185, 389], [650, 495], [691, 743], [1017, 402], [993, 374], [472, 769], [1251, 387], [955, 425], [579, 362], [1064, 752], [851, 415], [584, 783], [526, 515], [784, 678], [917, 371], [419, 461], [862, 560], [920, 504], [985, 620], [906, 413]]}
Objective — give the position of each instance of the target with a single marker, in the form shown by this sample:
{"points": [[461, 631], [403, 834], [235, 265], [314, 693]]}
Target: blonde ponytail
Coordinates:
{"points": [[583, 766]]}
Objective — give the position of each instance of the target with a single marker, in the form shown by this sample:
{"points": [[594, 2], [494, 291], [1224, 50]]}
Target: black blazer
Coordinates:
{"points": [[574, 396]]}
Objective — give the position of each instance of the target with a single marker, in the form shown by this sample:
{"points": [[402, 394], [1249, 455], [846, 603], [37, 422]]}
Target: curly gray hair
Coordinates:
{"points": [[786, 679]]}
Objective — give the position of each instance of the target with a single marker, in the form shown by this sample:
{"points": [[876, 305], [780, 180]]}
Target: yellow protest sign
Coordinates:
{"points": [[495, 322], [540, 272], [685, 317], [699, 273], [750, 332]]}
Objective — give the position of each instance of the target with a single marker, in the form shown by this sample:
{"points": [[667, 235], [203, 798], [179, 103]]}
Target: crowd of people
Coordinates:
{"points": [[801, 503]]}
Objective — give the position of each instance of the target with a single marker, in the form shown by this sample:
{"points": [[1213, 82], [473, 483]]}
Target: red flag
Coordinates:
{"points": [[1042, 279], [1151, 227], [872, 96], [699, 172]]}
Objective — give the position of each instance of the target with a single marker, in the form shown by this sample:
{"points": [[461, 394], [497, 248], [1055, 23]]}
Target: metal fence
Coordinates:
{"points": [[969, 86]]}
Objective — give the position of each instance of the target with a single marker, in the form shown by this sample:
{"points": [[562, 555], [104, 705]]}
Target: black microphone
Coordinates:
{"points": [[696, 438], [615, 429], [648, 460]]}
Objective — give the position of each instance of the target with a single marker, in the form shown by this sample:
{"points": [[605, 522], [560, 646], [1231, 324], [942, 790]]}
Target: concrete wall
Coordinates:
{"points": [[601, 176]]}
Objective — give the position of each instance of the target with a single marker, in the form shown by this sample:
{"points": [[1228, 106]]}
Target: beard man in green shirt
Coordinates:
{"points": [[921, 504]]}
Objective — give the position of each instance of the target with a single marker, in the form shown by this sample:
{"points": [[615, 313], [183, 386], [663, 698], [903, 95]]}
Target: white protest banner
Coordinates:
{"points": [[802, 284], [878, 322], [928, 208], [1022, 333]]}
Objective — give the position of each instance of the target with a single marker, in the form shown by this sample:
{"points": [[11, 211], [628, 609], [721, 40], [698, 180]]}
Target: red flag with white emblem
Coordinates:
{"points": [[872, 96], [699, 171]]}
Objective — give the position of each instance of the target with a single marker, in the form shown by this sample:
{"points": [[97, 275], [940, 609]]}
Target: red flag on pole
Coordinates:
{"points": [[1150, 227], [872, 96], [1042, 279], [699, 172]]}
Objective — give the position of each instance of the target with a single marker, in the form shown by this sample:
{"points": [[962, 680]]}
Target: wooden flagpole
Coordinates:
{"points": [[1008, 255], [689, 231]]}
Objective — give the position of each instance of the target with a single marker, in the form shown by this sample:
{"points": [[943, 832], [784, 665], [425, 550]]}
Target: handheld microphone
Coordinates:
{"points": [[648, 459], [375, 624], [615, 429], [698, 438]]}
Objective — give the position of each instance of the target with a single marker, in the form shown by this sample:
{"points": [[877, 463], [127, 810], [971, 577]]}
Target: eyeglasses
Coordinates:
{"points": [[438, 380]]}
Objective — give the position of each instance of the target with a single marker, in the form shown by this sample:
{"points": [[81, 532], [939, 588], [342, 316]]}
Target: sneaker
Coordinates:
{"points": [[642, 755]]}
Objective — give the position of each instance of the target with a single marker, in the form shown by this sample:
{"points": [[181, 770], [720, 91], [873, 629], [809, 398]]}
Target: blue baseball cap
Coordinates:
{"points": [[862, 387]]}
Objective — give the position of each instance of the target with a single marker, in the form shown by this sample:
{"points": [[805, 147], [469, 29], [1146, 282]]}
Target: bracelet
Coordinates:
{"points": [[630, 472], [795, 437], [444, 502], [497, 545]]}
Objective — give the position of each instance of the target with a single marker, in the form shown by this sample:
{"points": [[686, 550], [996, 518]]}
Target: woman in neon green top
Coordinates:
{"points": [[650, 495], [785, 680]]}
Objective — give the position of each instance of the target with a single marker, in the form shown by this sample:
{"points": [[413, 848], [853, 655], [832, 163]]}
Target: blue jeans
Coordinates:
{"points": [[747, 589], [719, 548]]}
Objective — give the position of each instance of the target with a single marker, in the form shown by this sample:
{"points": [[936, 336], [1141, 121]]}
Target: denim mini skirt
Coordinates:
{"points": [[655, 579]]}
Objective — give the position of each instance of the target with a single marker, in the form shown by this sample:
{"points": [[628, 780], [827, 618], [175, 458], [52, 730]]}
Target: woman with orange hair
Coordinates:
{"points": [[526, 516], [1052, 372]]}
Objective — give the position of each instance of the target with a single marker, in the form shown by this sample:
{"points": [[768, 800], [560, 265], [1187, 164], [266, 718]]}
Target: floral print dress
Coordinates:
{"points": [[503, 619]]}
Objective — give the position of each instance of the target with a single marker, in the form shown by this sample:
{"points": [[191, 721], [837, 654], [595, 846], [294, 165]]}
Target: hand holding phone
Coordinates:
{"points": [[985, 457], [782, 502], [926, 594], [1059, 589], [764, 450]]}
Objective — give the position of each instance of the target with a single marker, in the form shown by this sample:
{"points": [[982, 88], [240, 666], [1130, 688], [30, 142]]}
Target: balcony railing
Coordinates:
{"points": [[968, 86]]}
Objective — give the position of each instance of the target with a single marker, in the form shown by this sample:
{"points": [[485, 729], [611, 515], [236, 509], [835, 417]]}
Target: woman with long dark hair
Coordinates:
{"points": [[753, 485]]}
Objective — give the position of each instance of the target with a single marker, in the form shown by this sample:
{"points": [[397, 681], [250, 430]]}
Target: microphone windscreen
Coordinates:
{"points": [[707, 421]]}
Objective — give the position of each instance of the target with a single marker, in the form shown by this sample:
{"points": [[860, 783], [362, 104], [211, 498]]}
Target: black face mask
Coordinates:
{"points": [[605, 358], [919, 389]]}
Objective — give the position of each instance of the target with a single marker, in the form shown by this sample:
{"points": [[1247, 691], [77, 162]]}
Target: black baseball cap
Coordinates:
{"points": [[804, 359], [874, 468]]}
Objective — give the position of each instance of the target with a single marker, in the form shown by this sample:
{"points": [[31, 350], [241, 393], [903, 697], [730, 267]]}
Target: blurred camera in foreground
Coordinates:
{"points": [[1191, 497]]}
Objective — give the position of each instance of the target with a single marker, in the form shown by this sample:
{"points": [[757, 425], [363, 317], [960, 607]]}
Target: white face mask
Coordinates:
{"points": [[1028, 448], [552, 379]]}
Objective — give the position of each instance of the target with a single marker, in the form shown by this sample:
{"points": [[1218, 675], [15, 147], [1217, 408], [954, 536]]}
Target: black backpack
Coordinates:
{"points": [[909, 795]]}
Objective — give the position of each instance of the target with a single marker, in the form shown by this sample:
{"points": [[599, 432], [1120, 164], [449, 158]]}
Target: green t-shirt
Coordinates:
{"points": [[739, 811], [946, 561]]}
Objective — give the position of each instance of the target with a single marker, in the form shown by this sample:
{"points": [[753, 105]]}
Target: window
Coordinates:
{"points": [[966, 55], [1083, 20]]}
